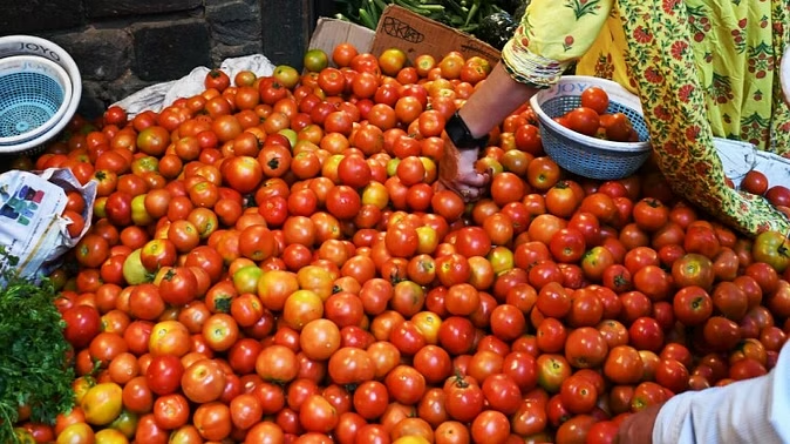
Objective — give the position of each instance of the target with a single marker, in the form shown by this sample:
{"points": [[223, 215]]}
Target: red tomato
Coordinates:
{"points": [[584, 120], [164, 373], [595, 98]]}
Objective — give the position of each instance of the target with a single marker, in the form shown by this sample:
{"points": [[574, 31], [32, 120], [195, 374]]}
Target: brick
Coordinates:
{"points": [[234, 23], [101, 54], [222, 52], [168, 51], [287, 25], [104, 8], [33, 16]]}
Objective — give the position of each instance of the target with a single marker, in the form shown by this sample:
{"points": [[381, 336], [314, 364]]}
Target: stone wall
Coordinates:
{"points": [[122, 46]]}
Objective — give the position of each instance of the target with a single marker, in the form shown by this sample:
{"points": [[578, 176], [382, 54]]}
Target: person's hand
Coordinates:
{"points": [[638, 428], [457, 172]]}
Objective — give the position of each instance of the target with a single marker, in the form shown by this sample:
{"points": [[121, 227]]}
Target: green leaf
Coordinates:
{"points": [[34, 366]]}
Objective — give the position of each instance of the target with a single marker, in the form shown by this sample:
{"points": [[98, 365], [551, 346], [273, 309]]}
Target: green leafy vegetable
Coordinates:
{"points": [[34, 363], [464, 15]]}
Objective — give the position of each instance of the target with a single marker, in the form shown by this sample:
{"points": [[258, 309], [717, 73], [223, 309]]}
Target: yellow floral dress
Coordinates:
{"points": [[682, 57]]}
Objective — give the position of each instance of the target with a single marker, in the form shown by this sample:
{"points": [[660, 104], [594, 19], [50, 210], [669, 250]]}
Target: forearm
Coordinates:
{"points": [[753, 410], [496, 99]]}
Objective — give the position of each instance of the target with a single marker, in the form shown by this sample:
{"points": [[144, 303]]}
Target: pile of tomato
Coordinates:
{"points": [[591, 118], [272, 261]]}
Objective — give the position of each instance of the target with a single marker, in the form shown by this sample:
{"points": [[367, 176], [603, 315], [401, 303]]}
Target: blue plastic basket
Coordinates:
{"points": [[34, 93], [583, 155]]}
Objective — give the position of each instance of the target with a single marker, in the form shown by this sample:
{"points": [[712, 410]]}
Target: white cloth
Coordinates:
{"points": [[156, 97], [752, 411]]}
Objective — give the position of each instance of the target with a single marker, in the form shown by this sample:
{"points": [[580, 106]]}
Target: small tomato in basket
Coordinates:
{"points": [[617, 127], [596, 99], [584, 120]]}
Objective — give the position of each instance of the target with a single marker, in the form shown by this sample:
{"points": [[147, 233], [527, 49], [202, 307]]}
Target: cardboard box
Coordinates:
{"points": [[400, 28], [330, 32]]}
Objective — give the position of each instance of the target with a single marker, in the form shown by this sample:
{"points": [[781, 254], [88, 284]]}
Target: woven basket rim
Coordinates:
{"points": [[603, 145], [20, 44], [61, 76]]}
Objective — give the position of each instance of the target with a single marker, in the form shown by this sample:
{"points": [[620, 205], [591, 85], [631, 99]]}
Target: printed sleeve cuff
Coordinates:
{"points": [[529, 68]]}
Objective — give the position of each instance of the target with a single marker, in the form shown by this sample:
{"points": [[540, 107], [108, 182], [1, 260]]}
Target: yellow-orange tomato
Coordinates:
{"points": [[102, 404]]}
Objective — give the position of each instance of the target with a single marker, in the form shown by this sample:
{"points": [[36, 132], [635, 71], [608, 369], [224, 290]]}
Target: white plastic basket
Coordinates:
{"points": [[34, 95], [583, 155], [14, 45]]}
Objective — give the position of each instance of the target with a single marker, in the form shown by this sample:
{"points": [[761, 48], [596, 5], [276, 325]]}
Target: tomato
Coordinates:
{"points": [[692, 305], [464, 399], [136, 396], [730, 300], [213, 421], [778, 195], [618, 127], [102, 403], [221, 331], [755, 182], [623, 365], [92, 250], [319, 339], [647, 394], [163, 375], [650, 214], [584, 120], [693, 270], [553, 300], [701, 239], [576, 429], [350, 365], [317, 415], [653, 282], [491, 426], [106, 346], [203, 381], [76, 433], [502, 393], [646, 334], [169, 338], [721, 333], [552, 370], [578, 394], [171, 411], [772, 248], [216, 79], [405, 385], [82, 325], [596, 99], [455, 335], [567, 245], [276, 363], [586, 348]]}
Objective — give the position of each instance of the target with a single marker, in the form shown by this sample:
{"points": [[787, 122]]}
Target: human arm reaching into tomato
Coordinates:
{"points": [[687, 95], [753, 410], [530, 61], [499, 96]]}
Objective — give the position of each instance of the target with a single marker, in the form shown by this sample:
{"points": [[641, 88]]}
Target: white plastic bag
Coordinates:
{"points": [[738, 158], [159, 96], [31, 226]]}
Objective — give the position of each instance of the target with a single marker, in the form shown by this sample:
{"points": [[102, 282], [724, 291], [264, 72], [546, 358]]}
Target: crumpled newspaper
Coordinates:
{"points": [[159, 96], [32, 228]]}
